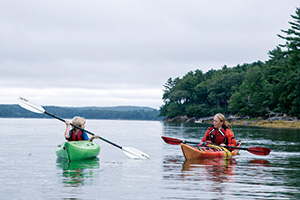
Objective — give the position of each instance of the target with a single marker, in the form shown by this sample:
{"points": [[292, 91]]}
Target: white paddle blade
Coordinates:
{"points": [[135, 153], [30, 105]]}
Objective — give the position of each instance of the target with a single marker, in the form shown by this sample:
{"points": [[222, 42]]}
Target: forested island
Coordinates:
{"points": [[118, 112], [255, 90]]}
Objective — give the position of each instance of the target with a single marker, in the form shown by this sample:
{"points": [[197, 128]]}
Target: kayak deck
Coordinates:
{"points": [[209, 151], [77, 150]]}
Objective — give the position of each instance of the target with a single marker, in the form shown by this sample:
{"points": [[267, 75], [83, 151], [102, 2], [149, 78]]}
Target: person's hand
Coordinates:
{"points": [[222, 145], [204, 144], [68, 123], [95, 136]]}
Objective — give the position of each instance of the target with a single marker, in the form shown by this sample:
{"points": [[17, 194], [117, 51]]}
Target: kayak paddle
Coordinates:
{"points": [[262, 151], [34, 107]]}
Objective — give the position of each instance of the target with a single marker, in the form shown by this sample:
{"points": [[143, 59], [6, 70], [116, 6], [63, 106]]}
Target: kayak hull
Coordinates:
{"points": [[211, 151], [77, 150]]}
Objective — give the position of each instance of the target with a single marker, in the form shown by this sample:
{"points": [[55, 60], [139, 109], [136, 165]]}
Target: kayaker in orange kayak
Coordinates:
{"points": [[75, 134], [220, 133]]}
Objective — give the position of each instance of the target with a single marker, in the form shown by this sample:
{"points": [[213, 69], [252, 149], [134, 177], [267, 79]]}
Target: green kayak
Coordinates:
{"points": [[77, 150]]}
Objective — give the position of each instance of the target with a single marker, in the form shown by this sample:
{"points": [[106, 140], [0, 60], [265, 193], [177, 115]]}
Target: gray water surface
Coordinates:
{"points": [[30, 169]]}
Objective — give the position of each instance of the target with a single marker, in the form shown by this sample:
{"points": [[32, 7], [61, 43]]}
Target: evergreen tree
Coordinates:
{"points": [[248, 89], [284, 70]]}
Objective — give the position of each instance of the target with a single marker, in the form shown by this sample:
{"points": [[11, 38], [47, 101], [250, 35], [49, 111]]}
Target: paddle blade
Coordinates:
{"points": [[30, 105], [262, 151], [172, 141], [135, 153]]}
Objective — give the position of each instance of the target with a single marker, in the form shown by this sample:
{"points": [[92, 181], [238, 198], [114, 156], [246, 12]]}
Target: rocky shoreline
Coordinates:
{"points": [[271, 122]]}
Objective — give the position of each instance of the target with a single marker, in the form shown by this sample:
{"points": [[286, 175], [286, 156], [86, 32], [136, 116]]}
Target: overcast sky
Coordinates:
{"points": [[121, 52]]}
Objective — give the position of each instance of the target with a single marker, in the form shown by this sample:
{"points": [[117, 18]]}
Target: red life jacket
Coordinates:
{"points": [[217, 136], [75, 137]]}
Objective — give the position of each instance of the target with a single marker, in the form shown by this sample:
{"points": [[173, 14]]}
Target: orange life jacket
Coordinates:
{"points": [[217, 136]]}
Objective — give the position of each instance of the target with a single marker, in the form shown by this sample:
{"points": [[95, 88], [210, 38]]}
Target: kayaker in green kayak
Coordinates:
{"points": [[75, 134], [219, 133]]}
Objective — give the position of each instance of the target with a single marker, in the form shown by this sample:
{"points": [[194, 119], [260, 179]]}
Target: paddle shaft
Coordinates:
{"points": [[105, 140], [242, 148], [175, 141]]}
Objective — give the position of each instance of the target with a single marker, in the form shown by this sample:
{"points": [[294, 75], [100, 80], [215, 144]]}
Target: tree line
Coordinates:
{"points": [[252, 90], [121, 112]]}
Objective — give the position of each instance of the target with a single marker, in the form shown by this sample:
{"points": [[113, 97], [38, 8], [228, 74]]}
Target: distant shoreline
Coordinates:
{"points": [[267, 123], [264, 123]]}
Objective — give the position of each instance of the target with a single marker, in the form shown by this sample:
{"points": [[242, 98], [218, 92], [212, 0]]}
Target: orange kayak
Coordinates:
{"points": [[209, 151]]}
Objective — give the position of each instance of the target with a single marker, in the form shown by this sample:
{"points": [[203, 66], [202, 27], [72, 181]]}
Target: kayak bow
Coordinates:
{"points": [[77, 150], [210, 151], [261, 151]]}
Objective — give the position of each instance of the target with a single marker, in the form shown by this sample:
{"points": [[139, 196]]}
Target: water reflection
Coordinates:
{"points": [[208, 176], [214, 169], [78, 173], [259, 162], [215, 177]]}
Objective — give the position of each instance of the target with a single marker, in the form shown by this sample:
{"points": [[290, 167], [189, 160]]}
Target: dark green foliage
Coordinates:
{"points": [[250, 89], [120, 112]]}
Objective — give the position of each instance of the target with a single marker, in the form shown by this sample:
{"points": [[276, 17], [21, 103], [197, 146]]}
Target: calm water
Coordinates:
{"points": [[30, 170]]}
